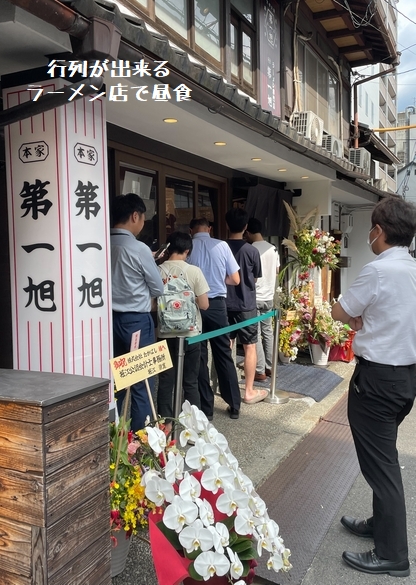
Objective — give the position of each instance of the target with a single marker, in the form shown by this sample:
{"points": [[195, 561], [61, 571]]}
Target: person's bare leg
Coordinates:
{"points": [[250, 362]]}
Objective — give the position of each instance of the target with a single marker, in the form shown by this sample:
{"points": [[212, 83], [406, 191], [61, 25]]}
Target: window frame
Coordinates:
{"points": [[242, 25]]}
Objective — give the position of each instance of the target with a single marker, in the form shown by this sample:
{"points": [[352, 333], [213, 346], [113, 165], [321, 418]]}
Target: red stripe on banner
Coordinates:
{"points": [[92, 345], [51, 345], [40, 346], [31, 124], [85, 117], [61, 255], [101, 346], [93, 118], [75, 117], [107, 238], [82, 347], [14, 240], [28, 345]]}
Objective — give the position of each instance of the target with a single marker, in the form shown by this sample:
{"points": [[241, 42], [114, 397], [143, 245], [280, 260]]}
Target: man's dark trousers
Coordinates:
{"points": [[380, 397], [124, 325], [215, 317]]}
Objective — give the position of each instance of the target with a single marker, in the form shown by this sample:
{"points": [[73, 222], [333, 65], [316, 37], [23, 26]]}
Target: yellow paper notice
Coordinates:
{"points": [[133, 367]]}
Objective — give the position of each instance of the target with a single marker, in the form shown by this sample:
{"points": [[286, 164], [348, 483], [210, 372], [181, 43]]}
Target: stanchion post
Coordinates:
{"points": [[178, 386], [276, 396]]}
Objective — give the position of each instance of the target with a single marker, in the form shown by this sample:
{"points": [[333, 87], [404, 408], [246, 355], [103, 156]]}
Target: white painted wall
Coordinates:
{"points": [[357, 248]]}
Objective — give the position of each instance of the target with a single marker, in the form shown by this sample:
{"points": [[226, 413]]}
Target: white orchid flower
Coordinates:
{"points": [[189, 488], [278, 545], [206, 513], [236, 566], [209, 563], [148, 475], [286, 563], [243, 482], [269, 529], [217, 476], [220, 536], [230, 500], [159, 491], [257, 505], [264, 543], [174, 467], [201, 423], [275, 563], [185, 417], [157, 439], [186, 435], [229, 460], [179, 513], [244, 522], [201, 455], [218, 439], [240, 582], [195, 536]]}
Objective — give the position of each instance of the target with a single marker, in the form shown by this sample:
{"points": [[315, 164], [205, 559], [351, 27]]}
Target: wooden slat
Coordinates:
{"points": [[68, 487], [66, 443], [11, 579], [18, 411], [21, 446], [92, 566], [22, 497], [15, 550], [39, 563], [73, 533], [72, 405]]}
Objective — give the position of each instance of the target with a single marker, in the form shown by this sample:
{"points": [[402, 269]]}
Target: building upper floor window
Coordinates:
{"points": [[202, 26]]}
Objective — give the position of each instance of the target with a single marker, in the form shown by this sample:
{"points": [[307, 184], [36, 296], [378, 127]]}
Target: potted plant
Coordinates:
{"points": [[320, 330], [211, 524], [290, 334], [130, 457]]}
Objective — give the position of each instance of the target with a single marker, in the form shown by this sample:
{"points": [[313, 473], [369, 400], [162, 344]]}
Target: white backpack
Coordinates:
{"points": [[176, 308]]}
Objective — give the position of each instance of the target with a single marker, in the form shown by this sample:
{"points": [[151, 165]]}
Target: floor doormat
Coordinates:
{"points": [[306, 491], [307, 380]]}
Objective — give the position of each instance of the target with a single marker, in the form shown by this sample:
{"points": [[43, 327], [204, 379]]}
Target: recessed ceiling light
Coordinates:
{"points": [[282, 170], [170, 120], [305, 177], [220, 143], [256, 159]]}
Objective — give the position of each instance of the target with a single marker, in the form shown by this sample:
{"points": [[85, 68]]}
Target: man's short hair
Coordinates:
{"points": [[179, 242], [199, 221], [397, 218], [254, 226], [236, 219], [123, 207]]}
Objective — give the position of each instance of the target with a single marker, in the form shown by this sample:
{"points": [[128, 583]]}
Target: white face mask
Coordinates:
{"points": [[370, 244]]}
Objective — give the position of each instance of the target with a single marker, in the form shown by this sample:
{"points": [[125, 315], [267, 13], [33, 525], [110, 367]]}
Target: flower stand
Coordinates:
{"points": [[119, 551], [284, 359], [319, 356]]}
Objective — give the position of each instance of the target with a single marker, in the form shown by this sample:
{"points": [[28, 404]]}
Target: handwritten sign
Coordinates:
{"points": [[133, 367]]}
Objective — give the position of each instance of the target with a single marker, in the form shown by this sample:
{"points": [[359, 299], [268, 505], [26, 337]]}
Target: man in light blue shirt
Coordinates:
{"points": [[135, 281], [215, 259]]}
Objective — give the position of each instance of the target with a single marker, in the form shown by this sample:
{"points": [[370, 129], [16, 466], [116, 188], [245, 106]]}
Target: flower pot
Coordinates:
{"points": [[213, 581], [319, 357], [284, 359], [119, 551]]}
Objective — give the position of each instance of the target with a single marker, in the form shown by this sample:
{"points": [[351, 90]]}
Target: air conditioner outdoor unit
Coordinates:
{"points": [[308, 124], [361, 158], [333, 145], [381, 184]]}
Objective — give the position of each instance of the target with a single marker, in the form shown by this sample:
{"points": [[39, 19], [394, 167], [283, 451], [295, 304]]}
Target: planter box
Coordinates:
{"points": [[54, 501], [342, 353]]}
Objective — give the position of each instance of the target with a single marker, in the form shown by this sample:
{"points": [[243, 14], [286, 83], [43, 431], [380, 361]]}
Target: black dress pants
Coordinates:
{"points": [[167, 378], [214, 318], [380, 397]]}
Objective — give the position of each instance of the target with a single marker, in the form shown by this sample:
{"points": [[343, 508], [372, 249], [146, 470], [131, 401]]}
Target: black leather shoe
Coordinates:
{"points": [[369, 562], [357, 527], [233, 412]]}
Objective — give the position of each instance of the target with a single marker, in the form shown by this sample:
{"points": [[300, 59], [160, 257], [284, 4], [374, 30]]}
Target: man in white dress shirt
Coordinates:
{"points": [[381, 306]]}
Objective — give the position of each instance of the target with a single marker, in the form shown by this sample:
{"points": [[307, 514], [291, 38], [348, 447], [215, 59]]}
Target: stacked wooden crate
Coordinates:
{"points": [[54, 479]]}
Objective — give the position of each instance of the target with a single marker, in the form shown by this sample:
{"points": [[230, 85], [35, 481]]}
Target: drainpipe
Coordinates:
{"points": [[57, 14], [50, 101], [359, 82]]}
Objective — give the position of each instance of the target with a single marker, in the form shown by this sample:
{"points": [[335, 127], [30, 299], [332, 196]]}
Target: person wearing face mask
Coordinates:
{"points": [[381, 306]]}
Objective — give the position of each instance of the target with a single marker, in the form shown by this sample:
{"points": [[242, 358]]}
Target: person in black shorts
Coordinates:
{"points": [[241, 299]]}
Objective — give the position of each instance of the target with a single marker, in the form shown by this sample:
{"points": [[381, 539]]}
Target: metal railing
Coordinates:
{"points": [[274, 397]]}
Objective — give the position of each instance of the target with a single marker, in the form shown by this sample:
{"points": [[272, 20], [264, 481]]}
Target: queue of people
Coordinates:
{"points": [[222, 277]]}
